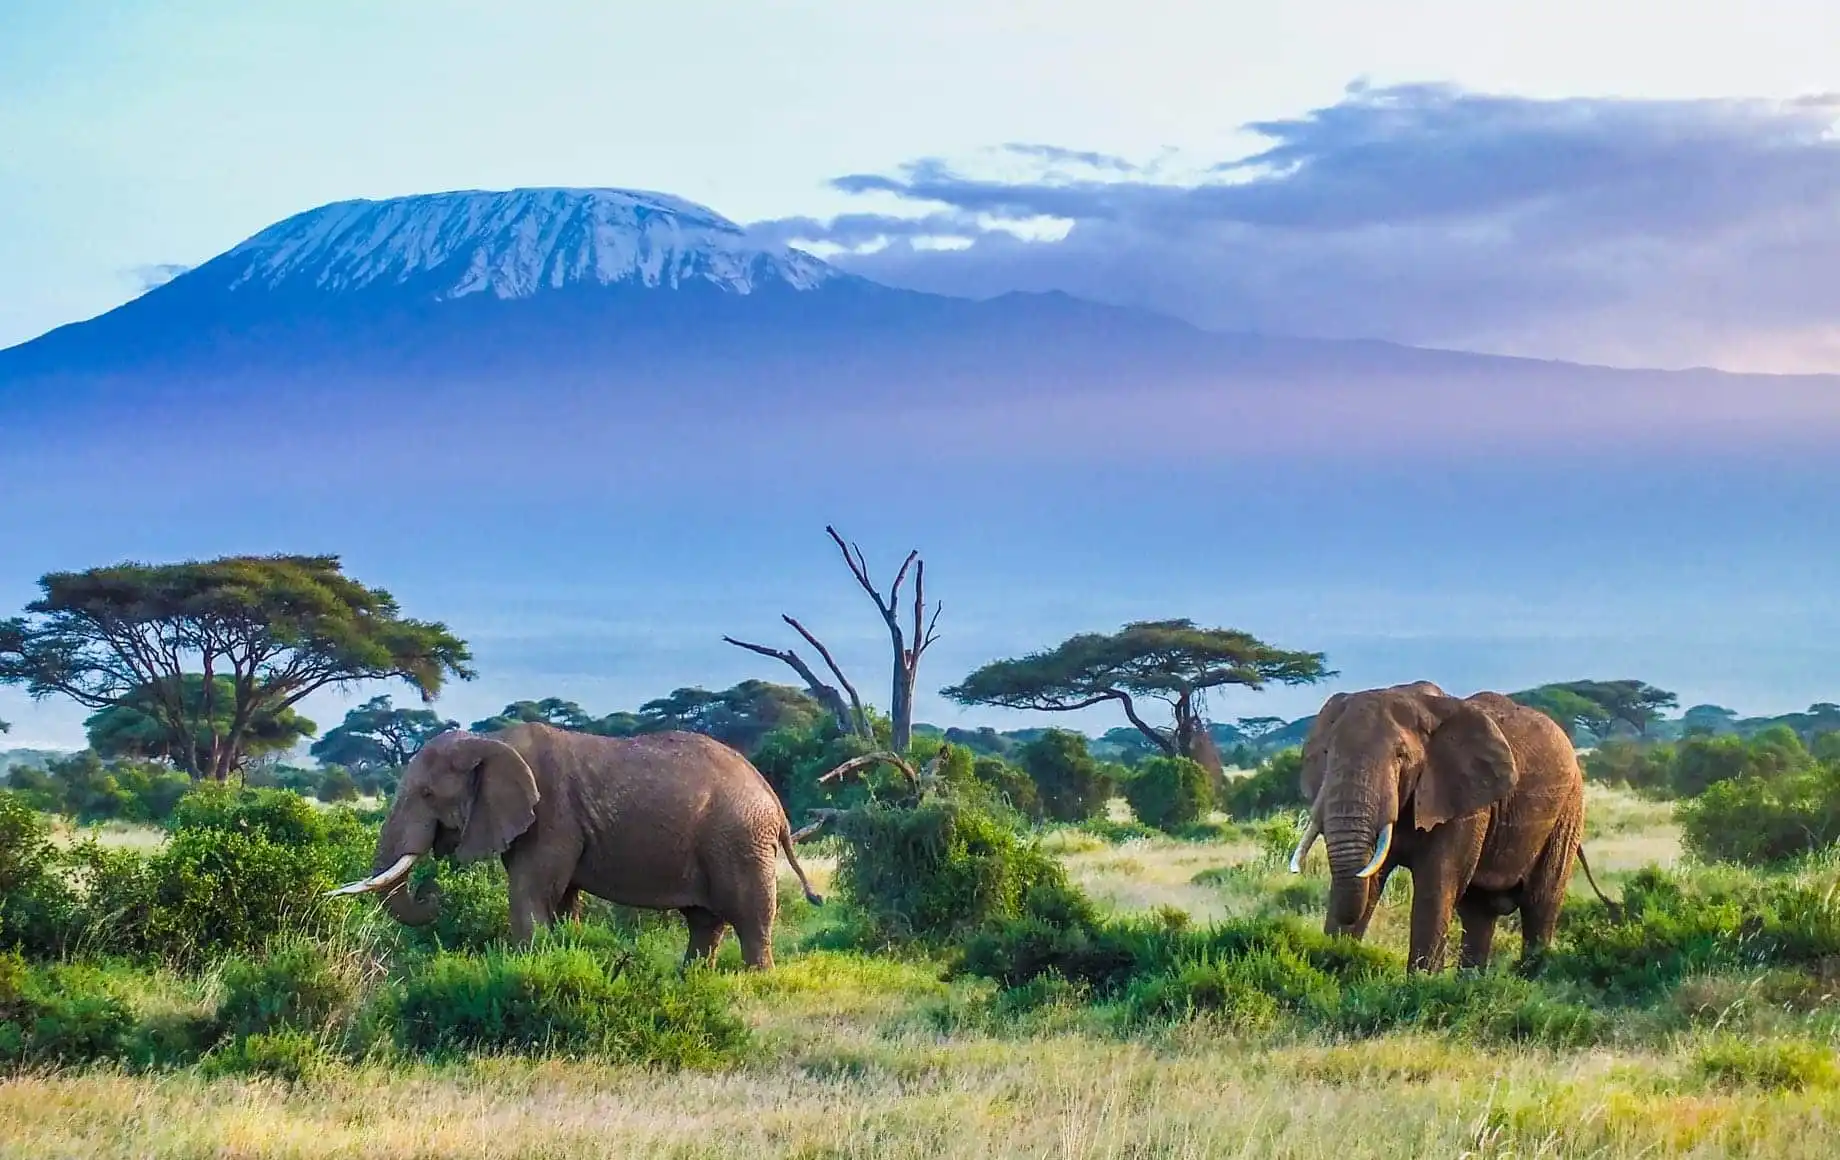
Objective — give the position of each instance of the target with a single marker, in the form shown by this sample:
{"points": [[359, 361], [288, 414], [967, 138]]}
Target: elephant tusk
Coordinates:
{"points": [[1381, 848], [1310, 833], [377, 881]]}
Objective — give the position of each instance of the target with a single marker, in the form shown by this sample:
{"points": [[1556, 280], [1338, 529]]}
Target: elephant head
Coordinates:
{"points": [[1375, 757], [462, 795]]}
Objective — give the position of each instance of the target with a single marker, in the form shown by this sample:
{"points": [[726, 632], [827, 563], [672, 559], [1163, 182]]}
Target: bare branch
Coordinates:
{"points": [[824, 818], [869, 759], [826, 695], [862, 718], [859, 568]]}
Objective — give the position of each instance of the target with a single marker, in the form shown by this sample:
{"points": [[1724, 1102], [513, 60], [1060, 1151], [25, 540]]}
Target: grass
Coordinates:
{"points": [[860, 1055]]}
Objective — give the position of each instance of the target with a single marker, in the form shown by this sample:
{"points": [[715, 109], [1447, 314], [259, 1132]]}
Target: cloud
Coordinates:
{"points": [[152, 277], [1635, 232]]}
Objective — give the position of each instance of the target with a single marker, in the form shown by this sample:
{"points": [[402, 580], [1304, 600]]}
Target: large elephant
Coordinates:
{"points": [[662, 821], [1480, 798]]}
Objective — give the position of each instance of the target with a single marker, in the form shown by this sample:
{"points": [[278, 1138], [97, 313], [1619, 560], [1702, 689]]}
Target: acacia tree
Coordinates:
{"points": [[135, 728], [1171, 661], [1599, 706], [853, 718], [280, 628], [377, 735]]}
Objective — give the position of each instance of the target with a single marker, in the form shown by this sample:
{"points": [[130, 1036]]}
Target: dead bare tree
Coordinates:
{"points": [[851, 717]]}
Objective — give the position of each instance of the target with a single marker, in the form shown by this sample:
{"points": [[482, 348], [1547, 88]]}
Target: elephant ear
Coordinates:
{"points": [[1468, 764], [1316, 746], [504, 800]]}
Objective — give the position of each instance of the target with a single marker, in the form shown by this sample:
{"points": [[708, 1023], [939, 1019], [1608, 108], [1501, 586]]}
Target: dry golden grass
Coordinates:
{"points": [[125, 835], [849, 1064]]}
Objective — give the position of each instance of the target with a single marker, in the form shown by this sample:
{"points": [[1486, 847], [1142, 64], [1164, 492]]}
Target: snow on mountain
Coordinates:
{"points": [[513, 243]]}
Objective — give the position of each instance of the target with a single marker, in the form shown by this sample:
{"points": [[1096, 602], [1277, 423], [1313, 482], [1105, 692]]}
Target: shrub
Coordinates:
{"points": [[84, 787], [59, 1015], [1169, 792], [35, 902], [1009, 785], [1774, 1065], [1668, 932], [937, 871], [289, 1055], [1763, 820], [296, 986], [212, 891], [1648, 769], [1274, 786], [1489, 1007], [337, 785], [1072, 784], [568, 1001], [475, 910]]}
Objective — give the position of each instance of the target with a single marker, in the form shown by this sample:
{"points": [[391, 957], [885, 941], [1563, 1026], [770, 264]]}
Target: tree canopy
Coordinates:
{"points": [[279, 628], [136, 728], [739, 716], [1173, 661], [1599, 706], [377, 735]]}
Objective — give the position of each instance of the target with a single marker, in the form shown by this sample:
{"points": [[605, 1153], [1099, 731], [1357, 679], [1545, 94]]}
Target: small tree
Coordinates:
{"points": [[279, 627], [739, 716], [377, 735], [135, 728], [1071, 784], [1169, 792], [852, 718], [1172, 661]]}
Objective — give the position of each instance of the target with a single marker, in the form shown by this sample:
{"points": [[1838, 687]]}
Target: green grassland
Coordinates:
{"points": [[842, 1051]]}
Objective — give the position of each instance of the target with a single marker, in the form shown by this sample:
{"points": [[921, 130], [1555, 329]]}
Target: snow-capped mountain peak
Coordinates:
{"points": [[513, 244]]}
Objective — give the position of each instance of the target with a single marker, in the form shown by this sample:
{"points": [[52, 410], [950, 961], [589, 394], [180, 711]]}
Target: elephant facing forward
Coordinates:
{"points": [[663, 821], [1479, 798]]}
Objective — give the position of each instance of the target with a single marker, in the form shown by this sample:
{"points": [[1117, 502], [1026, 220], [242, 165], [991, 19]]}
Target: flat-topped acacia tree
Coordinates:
{"points": [[280, 628], [1172, 661]]}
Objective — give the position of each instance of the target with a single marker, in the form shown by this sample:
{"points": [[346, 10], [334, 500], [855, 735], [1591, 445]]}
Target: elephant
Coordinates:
{"points": [[1479, 798], [660, 821]]}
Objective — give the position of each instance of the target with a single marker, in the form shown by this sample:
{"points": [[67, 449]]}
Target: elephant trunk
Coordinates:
{"points": [[406, 837], [1354, 830]]}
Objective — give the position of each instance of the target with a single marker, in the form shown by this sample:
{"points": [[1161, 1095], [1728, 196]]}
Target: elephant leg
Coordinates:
{"points": [[1478, 933], [1440, 874], [706, 929], [751, 911], [1544, 893], [533, 905], [568, 907]]}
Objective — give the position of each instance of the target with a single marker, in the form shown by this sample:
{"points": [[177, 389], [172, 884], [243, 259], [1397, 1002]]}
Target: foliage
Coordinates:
{"points": [[294, 986], [1169, 792], [740, 716], [937, 871], [1275, 785], [1173, 661], [281, 626], [1670, 929], [1762, 820], [137, 727], [565, 1000], [1072, 786], [60, 1014], [35, 901], [377, 735], [1009, 785], [1599, 706], [83, 787]]}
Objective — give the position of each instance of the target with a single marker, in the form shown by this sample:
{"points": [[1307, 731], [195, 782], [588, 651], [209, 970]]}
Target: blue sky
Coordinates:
{"points": [[1636, 183], [140, 134]]}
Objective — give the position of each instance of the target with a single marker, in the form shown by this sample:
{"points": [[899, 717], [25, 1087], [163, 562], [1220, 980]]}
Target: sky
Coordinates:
{"points": [[1631, 183], [1647, 184]]}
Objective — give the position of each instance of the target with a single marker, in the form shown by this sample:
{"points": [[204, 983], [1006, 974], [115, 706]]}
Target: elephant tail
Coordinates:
{"points": [[785, 843], [1616, 912]]}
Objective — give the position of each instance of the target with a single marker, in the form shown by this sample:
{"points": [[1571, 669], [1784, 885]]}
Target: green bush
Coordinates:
{"points": [[290, 1055], [212, 891], [1009, 785], [1763, 820], [1770, 1065], [35, 901], [1169, 792], [1274, 786], [60, 1014], [295, 986], [937, 871], [1073, 786], [1668, 931], [84, 787], [1488, 1007], [475, 910], [568, 1001], [1647, 769]]}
